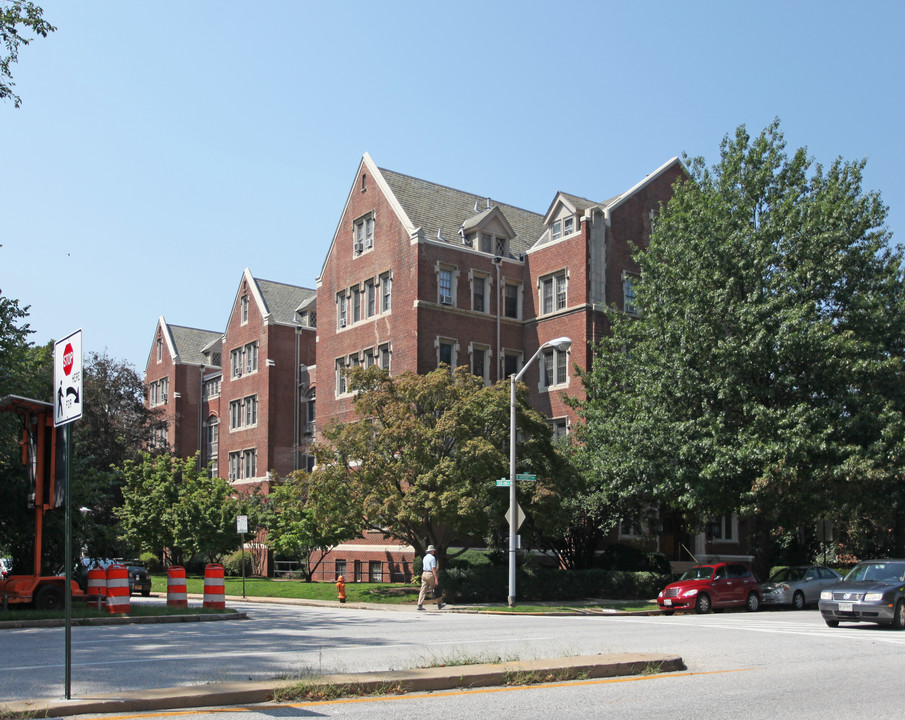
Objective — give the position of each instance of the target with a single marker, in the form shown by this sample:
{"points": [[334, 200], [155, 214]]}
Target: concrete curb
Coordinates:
{"points": [[123, 620], [419, 680]]}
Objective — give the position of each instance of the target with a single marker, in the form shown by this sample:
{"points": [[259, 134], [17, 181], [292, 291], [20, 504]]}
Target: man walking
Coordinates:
{"points": [[429, 578]]}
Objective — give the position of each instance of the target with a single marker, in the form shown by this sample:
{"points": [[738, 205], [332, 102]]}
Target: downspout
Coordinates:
{"points": [[298, 398], [201, 438], [497, 261]]}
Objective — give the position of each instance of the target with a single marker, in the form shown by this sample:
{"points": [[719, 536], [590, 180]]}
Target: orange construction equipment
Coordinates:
{"points": [[341, 588], [119, 599], [214, 587], [39, 456], [176, 592]]}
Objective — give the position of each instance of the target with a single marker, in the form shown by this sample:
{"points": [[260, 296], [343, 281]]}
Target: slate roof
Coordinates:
{"points": [[283, 300], [191, 341], [435, 207]]}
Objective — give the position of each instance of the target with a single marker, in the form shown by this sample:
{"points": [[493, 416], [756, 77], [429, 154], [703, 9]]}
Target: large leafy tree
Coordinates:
{"points": [[296, 529], [172, 506], [421, 461], [764, 373], [21, 21]]}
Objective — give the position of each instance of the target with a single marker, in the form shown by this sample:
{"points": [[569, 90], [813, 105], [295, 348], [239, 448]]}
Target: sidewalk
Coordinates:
{"points": [[418, 680]]}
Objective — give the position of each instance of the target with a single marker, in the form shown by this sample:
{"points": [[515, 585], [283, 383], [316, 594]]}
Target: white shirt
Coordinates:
{"points": [[429, 563]]}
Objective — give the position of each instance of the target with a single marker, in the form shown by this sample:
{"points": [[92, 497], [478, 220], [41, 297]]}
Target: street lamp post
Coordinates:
{"points": [[562, 344]]}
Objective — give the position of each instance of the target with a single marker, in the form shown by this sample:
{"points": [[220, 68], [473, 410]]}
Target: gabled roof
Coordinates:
{"points": [[277, 302], [186, 344], [440, 211]]}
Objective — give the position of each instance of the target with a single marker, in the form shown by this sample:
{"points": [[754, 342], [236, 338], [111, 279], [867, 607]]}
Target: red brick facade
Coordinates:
{"points": [[416, 274]]}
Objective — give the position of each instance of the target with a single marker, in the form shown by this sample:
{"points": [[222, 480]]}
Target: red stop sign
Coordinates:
{"points": [[68, 358]]}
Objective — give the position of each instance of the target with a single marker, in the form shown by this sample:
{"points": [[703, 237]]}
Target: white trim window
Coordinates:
{"points": [[629, 298], [563, 227], [724, 528], [553, 292], [342, 386], [363, 233], [158, 435], [446, 284], [371, 298], [243, 412], [479, 287], [512, 362], [159, 349], [158, 392], [480, 362], [243, 309], [243, 464], [559, 426], [211, 389], [342, 309], [383, 353], [554, 368], [512, 300], [356, 304], [386, 292], [446, 352], [244, 360], [212, 443], [494, 244]]}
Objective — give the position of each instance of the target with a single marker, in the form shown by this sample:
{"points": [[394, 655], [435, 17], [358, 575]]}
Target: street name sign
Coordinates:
{"points": [[504, 482]]}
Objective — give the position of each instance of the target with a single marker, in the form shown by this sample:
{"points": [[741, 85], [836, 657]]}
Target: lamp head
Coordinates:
{"points": [[561, 343]]}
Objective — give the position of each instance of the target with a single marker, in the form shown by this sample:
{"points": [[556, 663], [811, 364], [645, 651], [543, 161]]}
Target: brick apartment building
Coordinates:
{"points": [[417, 274]]}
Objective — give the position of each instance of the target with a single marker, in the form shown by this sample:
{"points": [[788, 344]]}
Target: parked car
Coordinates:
{"points": [[705, 587], [139, 578], [798, 586], [873, 591]]}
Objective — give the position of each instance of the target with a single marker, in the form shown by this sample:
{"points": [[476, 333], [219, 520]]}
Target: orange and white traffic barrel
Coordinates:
{"points": [[176, 592], [214, 587], [97, 586], [118, 596]]}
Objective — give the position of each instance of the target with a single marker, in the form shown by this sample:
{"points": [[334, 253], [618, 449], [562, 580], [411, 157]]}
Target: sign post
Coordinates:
{"points": [[242, 528], [67, 383]]}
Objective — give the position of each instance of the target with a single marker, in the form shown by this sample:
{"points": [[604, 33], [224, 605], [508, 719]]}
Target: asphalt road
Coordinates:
{"points": [[739, 664]]}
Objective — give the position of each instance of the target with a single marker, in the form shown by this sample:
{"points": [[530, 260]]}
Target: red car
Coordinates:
{"points": [[705, 587]]}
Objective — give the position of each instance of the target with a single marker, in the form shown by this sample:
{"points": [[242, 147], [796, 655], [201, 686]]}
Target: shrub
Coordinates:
{"points": [[632, 559], [151, 561], [232, 564]]}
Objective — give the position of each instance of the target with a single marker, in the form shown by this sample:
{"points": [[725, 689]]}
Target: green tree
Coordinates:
{"points": [[295, 529], [172, 507], [764, 373], [421, 461], [16, 17]]}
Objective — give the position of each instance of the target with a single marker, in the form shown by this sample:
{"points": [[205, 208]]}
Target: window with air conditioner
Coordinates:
{"points": [[363, 233]]}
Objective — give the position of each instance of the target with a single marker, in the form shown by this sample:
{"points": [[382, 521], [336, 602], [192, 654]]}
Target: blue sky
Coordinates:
{"points": [[162, 148]]}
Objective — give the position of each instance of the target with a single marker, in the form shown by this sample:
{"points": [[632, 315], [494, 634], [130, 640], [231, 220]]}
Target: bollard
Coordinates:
{"points": [[176, 592], [214, 588], [97, 586], [118, 596]]}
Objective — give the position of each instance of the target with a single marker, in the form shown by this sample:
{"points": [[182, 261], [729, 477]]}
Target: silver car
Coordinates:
{"points": [[873, 591], [798, 585]]}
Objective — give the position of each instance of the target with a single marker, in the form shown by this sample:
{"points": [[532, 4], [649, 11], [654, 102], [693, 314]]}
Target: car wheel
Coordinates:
{"points": [[898, 618], [49, 597], [831, 623], [798, 600], [752, 603], [703, 605]]}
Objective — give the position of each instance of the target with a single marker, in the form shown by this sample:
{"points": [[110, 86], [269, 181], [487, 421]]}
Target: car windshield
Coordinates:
{"points": [[788, 574], [703, 572], [878, 572]]}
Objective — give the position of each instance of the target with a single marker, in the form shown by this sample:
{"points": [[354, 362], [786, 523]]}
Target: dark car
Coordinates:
{"points": [[705, 587], [139, 578], [798, 586], [873, 591]]}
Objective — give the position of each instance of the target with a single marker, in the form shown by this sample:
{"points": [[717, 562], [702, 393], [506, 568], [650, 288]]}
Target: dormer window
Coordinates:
{"points": [[563, 227], [493, 244]]}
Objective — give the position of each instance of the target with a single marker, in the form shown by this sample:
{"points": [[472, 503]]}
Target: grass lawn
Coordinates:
{"points": [[390, 593]]}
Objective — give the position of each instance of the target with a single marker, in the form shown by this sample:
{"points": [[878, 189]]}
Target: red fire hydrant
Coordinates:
{"points": [[341, 588]]}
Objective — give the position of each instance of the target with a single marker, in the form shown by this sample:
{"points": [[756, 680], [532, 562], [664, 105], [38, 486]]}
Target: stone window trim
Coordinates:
{"points": [[513, 294], [563, 227], [243, 309], [447, 282], [363, 233], [481, 285], [553, 292], [447, 351], [554, 370], [629, 293], [480, 357], [243, 360]]}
